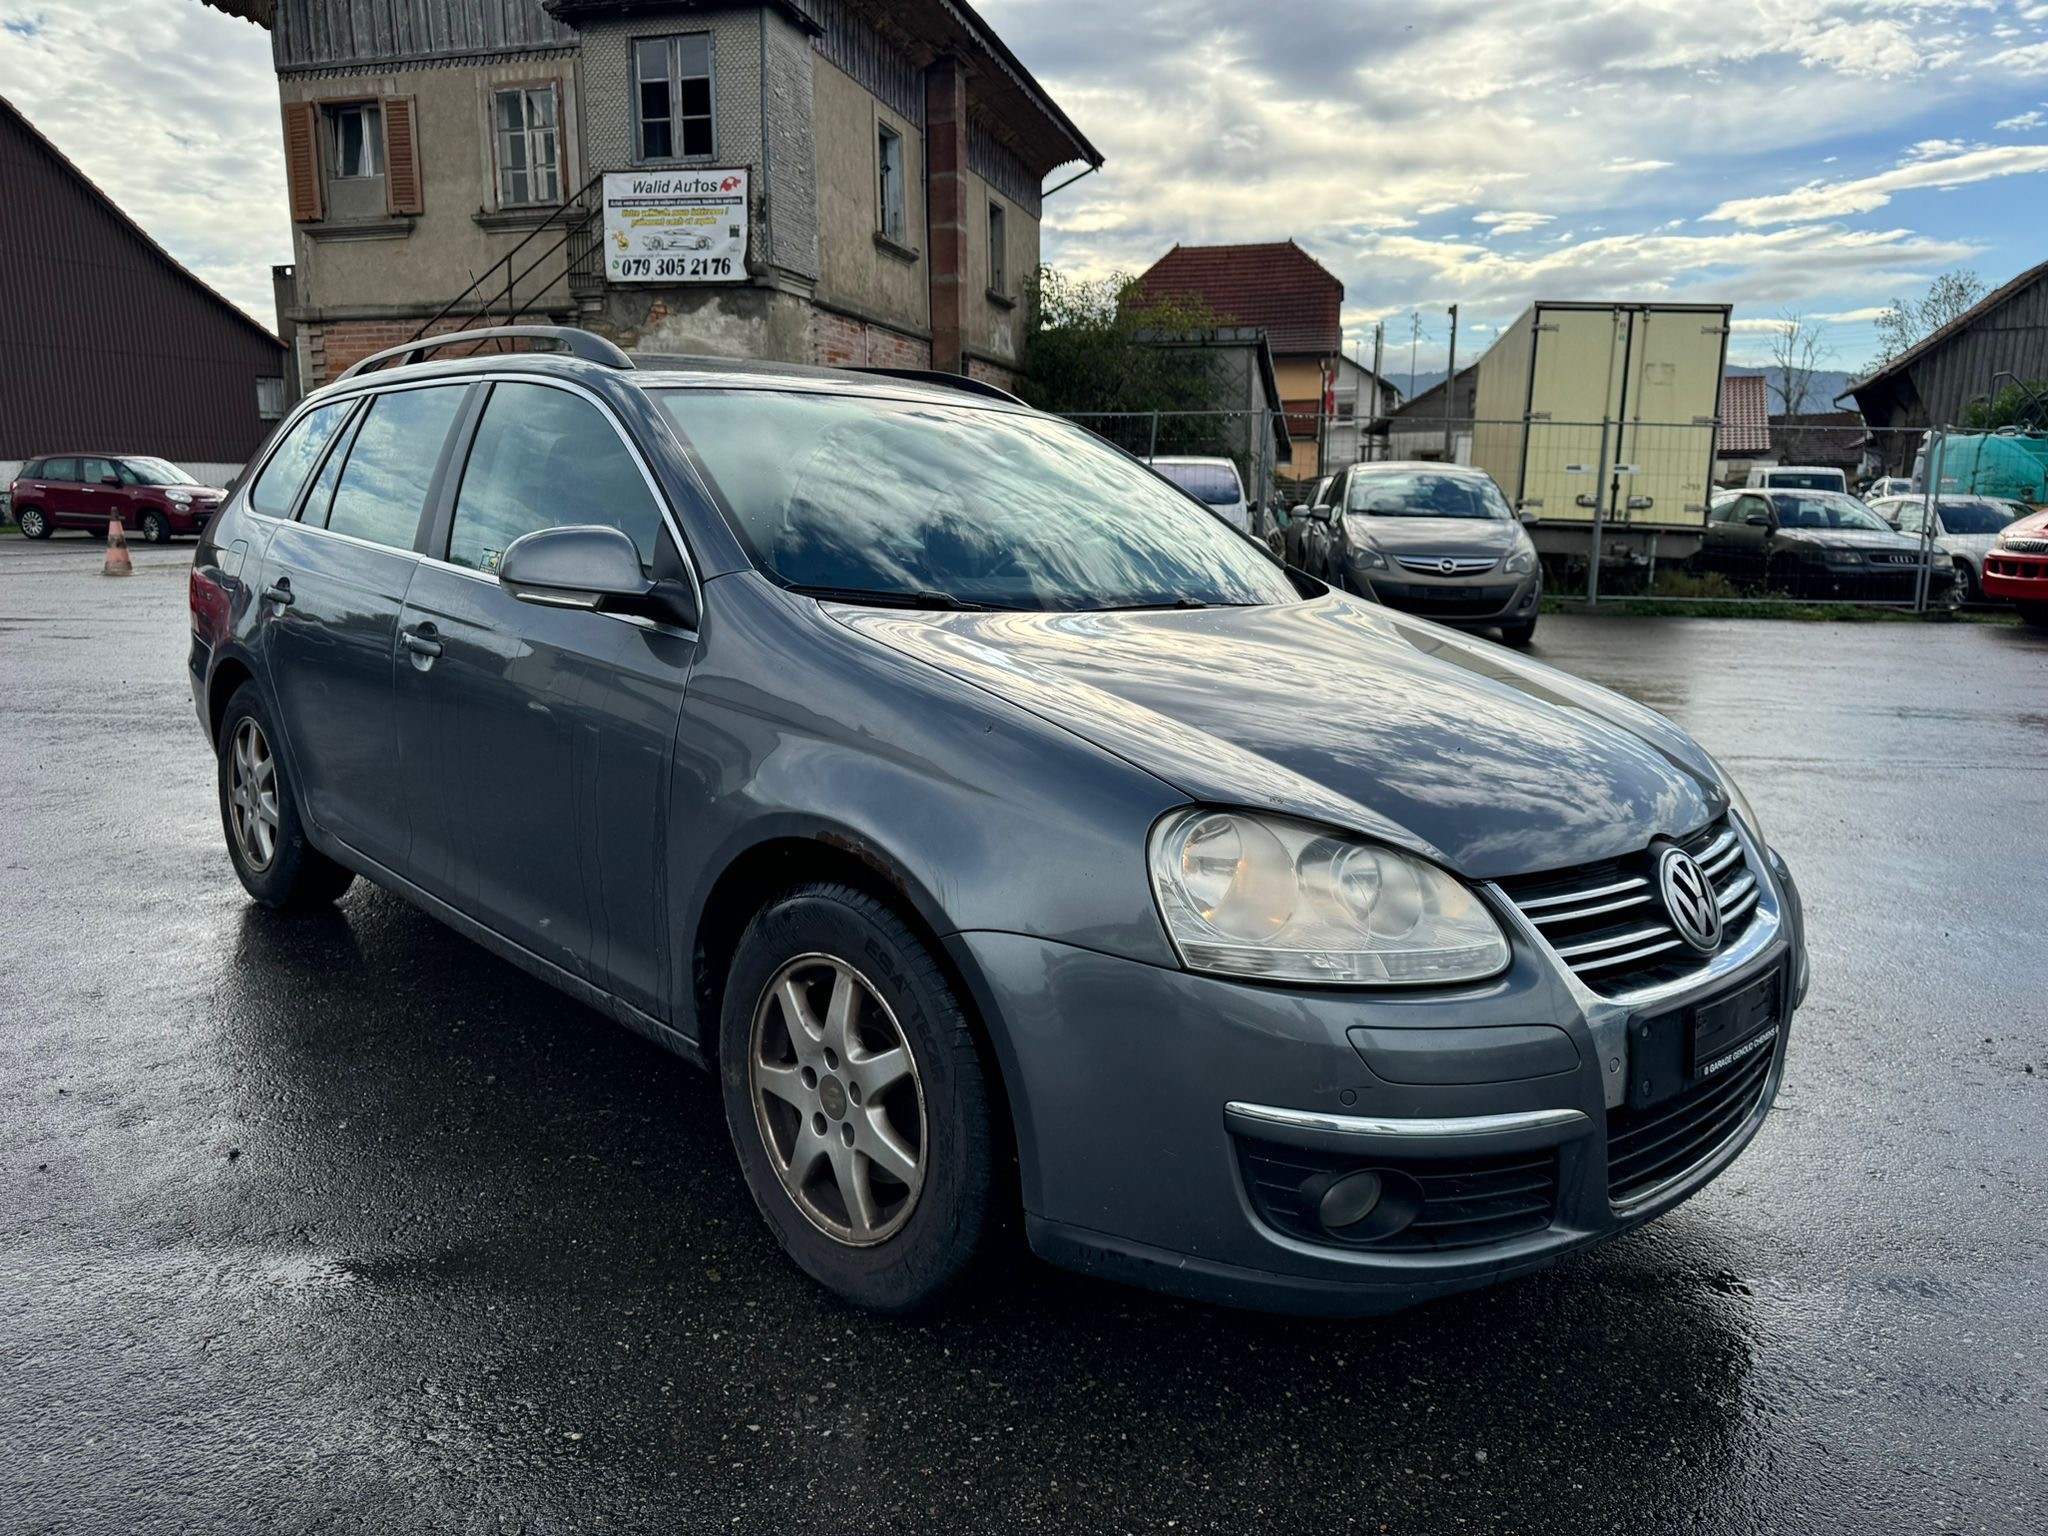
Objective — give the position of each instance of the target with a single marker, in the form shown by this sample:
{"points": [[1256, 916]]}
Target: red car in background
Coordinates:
{"points": [[2016, 568], [151, 496]]}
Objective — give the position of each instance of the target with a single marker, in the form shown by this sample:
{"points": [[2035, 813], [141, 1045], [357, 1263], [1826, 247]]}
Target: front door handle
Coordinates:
{"points": [[421, 641], [280, 594]]}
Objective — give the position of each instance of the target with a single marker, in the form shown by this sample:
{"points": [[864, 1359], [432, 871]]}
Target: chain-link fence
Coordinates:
{"points": [[1812, 509]]}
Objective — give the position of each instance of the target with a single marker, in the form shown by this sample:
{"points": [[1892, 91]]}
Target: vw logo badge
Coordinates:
{"points": [[1690, 899], [1447, 565]]}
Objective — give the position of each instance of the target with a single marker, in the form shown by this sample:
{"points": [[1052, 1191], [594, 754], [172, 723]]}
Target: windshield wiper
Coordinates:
{"points": [[878, 598], [1163, 603]]}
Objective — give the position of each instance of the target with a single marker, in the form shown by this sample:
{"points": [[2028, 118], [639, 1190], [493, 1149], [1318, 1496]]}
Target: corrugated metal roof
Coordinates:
{"points": [[1745, 413], [1279, 288], [104, 338], [1955, 327]]}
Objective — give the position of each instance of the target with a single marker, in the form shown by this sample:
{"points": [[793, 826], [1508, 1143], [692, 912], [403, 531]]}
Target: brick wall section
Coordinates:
{"points": [[841, 341], [945, 113], [993, 373], [334, 346]]}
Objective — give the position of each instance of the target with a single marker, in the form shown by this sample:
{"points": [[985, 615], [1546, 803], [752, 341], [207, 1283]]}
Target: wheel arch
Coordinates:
{"points": [[229, 673]]}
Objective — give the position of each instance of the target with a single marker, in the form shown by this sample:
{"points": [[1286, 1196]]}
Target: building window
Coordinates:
{"points": [[529, 146], [998, 263], [270, 399], [358, 140], [889, 189], [672, 96]]}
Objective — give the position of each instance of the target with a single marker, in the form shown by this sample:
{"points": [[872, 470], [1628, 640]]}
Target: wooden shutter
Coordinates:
{"points": [[302, 159], [401, 157]]}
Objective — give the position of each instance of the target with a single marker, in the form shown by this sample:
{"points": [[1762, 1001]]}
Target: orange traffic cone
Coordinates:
{"points": [[118, 562]]}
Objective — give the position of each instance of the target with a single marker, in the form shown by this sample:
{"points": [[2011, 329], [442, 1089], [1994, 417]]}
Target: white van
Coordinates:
{"points": [[1797, 477]]}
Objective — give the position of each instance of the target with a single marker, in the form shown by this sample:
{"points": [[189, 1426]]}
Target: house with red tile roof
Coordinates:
{"points": [[1276, 288]]}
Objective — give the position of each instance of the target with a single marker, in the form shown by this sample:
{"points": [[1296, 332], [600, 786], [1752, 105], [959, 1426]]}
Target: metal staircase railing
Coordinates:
{"points": [[575, 222]]}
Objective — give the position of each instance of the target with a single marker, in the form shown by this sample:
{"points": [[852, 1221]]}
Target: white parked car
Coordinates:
{"points": [[1212, 481], [1887, 486], [1797, 477], [1965, 526]]}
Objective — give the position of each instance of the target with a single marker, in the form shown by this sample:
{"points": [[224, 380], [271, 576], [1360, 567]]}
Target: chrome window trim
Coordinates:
{"points": [[1438, 1129], [465, 380]]}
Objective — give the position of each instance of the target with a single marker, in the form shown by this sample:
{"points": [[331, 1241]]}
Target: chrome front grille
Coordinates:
{"points": [[1447, 565], [1607, 922]]}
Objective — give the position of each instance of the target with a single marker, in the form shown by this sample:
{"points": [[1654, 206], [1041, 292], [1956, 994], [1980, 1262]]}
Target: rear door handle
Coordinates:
{"points": [[280, 594], [421, 641]]}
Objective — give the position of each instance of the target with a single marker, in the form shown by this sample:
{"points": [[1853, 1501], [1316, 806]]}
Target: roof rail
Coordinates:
{"points": [[961, 381], [577, 343]]}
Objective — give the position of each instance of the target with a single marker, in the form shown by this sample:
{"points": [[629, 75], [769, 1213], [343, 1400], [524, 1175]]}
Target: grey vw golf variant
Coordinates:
{"points": [[1022, 846]]}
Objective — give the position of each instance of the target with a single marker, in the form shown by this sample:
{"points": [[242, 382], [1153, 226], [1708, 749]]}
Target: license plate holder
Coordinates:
{"points": [[1671, 1052]]}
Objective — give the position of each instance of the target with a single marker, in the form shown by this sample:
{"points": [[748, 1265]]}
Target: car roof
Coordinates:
{"points": [[1384, 465], [1190, 458]]}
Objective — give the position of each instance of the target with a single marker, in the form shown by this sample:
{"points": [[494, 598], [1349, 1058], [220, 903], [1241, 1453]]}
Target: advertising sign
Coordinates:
{"points": [[675, 226]]}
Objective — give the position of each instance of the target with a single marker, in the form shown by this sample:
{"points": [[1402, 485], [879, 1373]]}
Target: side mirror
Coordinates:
{"points": [[113, 480], [1758, 520], [1323, 512], [1528, 517], [1894, 523], [592, 567]]}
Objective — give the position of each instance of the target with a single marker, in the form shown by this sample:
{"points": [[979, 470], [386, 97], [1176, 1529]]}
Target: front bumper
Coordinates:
{"points": [[1143, 1098], [1466, 602], [2015, 578]]}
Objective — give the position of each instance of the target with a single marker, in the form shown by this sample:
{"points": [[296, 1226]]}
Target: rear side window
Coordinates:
{"points": [[545, 458], [383, 487], [278, 486]]}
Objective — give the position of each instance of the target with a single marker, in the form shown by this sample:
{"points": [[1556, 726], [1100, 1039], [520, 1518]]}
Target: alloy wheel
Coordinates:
{"points": [[837, 1100], [252, 794], [32, 522]]}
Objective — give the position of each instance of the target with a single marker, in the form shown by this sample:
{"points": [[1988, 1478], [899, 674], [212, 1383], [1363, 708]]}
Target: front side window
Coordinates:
{"points": [[889, 185], [998, 266], [545, 458], [95, 471], [1423, 493], [278, 486], [358, 129], [672, 97], [529, 146], [1910, 516], [941, 505], [383, 487]]}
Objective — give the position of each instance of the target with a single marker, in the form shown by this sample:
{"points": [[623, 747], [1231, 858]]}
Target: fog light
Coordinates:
{"points": [[1366, 1204]]}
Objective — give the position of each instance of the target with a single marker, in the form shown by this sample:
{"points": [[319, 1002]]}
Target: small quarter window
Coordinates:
{"points": [[278, 486]]}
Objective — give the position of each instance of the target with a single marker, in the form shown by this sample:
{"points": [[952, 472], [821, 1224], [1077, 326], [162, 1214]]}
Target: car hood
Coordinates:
{"points": [[1434, 535], [1345, 714], [2032, 526], [1849, 538]]}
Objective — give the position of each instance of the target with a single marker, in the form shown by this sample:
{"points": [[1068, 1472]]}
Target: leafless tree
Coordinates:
{"points": [[1906, 324], [1798, 348]]}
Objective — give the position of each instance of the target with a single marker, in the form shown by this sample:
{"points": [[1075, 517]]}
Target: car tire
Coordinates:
{"points": [[1518, 635], [2035, 614], [259, 814], [807, 1098], [1967, 590], [155, 529], [35, 524]]}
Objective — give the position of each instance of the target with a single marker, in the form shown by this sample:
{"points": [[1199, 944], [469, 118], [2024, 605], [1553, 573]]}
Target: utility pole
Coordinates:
{"points": [[1414, 342], [1451, 389], [1379, 344]]}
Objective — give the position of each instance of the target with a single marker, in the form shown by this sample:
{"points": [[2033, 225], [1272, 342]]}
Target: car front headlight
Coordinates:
{"points": [[1842, 556], [181, 498], [1943, 561], [1262, 896], [1370, 559], [1522, 561]]}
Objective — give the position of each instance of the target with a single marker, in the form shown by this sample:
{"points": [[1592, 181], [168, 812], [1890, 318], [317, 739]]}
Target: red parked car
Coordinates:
{"points": [[2016, 568], [87, 490]]}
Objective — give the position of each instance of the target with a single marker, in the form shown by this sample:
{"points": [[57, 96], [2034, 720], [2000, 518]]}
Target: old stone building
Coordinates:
{"points": [[834, 181]]}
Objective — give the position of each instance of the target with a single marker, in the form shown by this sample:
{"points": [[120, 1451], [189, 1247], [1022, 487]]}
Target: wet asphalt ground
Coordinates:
{"points": [[338, 1224]]}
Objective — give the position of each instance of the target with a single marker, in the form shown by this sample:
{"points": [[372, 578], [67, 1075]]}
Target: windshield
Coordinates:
{"points": [[1826, 511], [1975, 516], [1423, 493], [943, 505], [1215, 484], [158, 472], [1806, 480]]}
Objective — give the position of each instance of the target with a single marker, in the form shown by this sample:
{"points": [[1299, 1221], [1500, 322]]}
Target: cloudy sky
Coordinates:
{"points": [[1815, 155]]}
